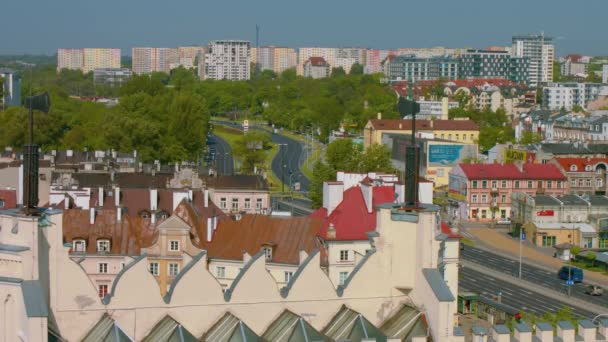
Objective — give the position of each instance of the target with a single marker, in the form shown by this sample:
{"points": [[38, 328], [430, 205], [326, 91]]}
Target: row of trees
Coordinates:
{"points": [[346, 155]]}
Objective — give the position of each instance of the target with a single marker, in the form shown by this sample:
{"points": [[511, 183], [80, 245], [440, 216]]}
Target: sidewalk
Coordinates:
{"points": [[503, 244]]}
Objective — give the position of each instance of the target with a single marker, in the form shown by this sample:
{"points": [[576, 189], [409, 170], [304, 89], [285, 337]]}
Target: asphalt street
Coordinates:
{"points": [[297, 206], [291, 156], [513, 295], [224, 161], [530, 273]]}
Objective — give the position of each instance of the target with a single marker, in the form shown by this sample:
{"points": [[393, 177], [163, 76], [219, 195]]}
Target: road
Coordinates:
{"points": [[530, 273], [224, 161], [513, 295], [297, 206], [291, 156]]}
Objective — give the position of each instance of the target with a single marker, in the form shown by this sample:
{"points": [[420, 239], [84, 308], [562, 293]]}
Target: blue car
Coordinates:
{"points": [[571, 273]]}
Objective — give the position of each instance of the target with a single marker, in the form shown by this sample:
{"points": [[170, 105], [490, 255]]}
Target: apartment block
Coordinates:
{"points": [[411, 68], [148, 59], [541, 52], [10, 84], [374, 58], [88, 59], [227, 60], [111, 77], [569, 94], [493, 64], [328, 54]]}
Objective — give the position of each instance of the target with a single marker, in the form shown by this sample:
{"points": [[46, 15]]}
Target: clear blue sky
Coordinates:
{"points": [[42, 26]]}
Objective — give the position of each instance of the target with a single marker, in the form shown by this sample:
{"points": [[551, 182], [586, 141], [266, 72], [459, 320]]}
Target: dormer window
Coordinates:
{"points": [[268, 253], [588, 168], [573, 168], [79, 246], [144, 214], [103, 246]]}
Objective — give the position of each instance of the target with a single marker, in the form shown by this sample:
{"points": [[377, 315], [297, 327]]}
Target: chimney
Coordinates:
{"points": [[209, 229], [400, 125], [368, 195], [66, 202], [523, 332], [379, 116], [153, 218], [153, 199], [118, 214], [544, 332], [114, 154], [206, 198], [331, 231], [333, 193], [117, 196], [190, 195], [215, 220], [565, 330], [100, 196], [112, 176], [92, 216]]}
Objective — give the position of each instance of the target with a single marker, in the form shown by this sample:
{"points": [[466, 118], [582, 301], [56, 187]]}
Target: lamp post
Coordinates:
{"points": [[283, 167]]}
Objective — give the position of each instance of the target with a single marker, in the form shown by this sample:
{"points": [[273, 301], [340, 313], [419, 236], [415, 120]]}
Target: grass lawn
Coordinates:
{"points": [[585, 265]]}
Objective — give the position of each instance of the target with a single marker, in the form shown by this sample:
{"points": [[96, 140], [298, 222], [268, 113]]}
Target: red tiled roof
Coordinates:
{"points": [[581, 163], [511, 171], [445, 229], [350, 218], [288, 236], [406, 125], [316, 61], [9, 197]]}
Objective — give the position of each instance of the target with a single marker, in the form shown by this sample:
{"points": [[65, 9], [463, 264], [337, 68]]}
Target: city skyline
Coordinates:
{"points": [[357, 25]]}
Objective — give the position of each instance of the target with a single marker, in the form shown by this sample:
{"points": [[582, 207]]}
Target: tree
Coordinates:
{"points": [[592, 77], [529, 137], [356, 69], [338, 72], [182, 78], [251, 149], [321, 172], [342, 155], [577, 109], [591, 257], [376, 157]]}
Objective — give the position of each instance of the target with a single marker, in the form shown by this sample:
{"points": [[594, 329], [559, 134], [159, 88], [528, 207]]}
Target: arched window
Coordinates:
{"points": [[79, 246], [573, 167]]}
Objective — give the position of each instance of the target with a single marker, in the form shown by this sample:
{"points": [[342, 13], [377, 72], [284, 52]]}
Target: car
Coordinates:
{"points": [[571, 273], [504, 221], [594, 290]]}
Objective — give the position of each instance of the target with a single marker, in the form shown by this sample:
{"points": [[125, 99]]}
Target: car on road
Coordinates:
{"points": [[594, 290], [571, 273]]}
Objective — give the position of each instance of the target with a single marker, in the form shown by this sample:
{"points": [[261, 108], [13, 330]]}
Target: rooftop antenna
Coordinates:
{"points": [[412, 152]]}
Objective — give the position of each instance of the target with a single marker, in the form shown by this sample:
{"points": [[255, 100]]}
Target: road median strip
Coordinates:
{"points": [[579, 303]]}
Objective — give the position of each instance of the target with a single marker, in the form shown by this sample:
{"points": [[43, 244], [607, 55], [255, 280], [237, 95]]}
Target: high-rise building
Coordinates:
{"points": [[566, 95], [284, 58], [541, 53], [374, 58], [304, 53], [227, 60], [188, 55], [411, 68], [88, 59], [605, 73], [72, 59], [149, 59], [11, 88], [493, 64]]}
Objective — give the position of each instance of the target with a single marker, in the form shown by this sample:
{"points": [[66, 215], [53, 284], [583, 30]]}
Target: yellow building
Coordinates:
{"points": [[100, 58], [461, 131], [284, 58]]}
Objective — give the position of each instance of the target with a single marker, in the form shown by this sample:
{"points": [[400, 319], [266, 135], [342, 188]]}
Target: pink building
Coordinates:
{"points": [[483, 191], [240, 193], [374, 58]]}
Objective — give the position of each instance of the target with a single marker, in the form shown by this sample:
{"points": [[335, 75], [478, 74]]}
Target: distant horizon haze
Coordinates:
{"points": [[41, 27]]}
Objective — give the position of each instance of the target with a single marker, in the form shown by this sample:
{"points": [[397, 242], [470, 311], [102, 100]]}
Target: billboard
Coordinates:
{"points": [[512, 155], [449, 154], [545, 213], [457, 188]]}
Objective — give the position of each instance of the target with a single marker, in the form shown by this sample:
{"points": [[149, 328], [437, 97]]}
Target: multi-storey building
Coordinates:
{"points": [[88, 59], [410, 68], [277, 59], [465, 131], [10, 84], [328, 54], [483, 191], [72, 59], [240, 194], [111, 77], [575, 65], [374, 58], [188, 56], [147, 59], [316, 67], [585, 175], [540, 52], [566, 95], [605, 73], [493, 64], [227, 60]]}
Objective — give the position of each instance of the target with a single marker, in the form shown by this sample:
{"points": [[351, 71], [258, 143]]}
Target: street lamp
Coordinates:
{"points": [[283, 167]]}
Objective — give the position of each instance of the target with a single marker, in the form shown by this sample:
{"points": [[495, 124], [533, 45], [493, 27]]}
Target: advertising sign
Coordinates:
{"points": [[449, 155], [457, 188], [545, 213], [512, 156]]}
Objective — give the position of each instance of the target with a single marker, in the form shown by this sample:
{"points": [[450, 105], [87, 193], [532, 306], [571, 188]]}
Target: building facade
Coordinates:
{"points": [[111, 77], [240, 194], [88, 59], [11, 88], [483, 191], [493, 64], [227, 60], [412, 68], [541, 54], [148, 59], [316, 67], [275, 58], [585, 175], [374, 58], [569, 94]]}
